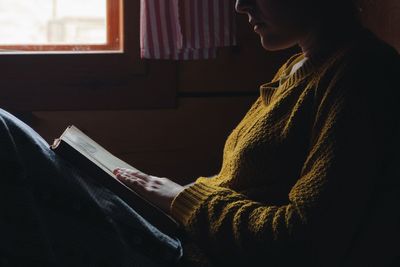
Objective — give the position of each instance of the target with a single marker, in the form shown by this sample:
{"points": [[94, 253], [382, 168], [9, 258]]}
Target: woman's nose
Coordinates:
{"points": [[243, 6]]}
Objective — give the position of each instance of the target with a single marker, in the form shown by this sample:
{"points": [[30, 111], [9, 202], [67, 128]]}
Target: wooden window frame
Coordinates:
{"points": [[89, 81]]}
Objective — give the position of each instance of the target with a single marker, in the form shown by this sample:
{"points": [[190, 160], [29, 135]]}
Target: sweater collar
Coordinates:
{"points": [[288, 79], [285, 80]]}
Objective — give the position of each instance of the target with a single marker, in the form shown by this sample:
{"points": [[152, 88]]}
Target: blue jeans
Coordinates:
{"points": [[51, 216]]}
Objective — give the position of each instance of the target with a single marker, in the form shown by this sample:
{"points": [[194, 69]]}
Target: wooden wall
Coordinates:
{"points": [[186, 141]]}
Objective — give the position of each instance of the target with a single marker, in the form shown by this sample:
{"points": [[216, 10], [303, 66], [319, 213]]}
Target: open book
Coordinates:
{"points": [[93, 160]]}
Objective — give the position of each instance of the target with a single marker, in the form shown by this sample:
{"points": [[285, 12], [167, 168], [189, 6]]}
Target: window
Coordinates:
{"points": [[94, 80], [60, 26]]}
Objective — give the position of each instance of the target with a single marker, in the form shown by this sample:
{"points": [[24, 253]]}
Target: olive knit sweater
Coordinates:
{"points": [[300, 169]]}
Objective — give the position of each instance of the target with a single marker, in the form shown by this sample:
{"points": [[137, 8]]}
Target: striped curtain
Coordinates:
{"points": [[186, 29]]}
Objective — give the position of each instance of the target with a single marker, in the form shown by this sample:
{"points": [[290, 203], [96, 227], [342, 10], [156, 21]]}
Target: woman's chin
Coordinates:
{"points": [[272, 43], [267, 44]]}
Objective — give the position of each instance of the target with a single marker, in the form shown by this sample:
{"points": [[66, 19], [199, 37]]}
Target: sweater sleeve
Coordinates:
{"points": [[324, 208]]}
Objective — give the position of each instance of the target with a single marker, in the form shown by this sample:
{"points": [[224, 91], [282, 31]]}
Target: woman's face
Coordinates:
{"points": [[278, 22]]}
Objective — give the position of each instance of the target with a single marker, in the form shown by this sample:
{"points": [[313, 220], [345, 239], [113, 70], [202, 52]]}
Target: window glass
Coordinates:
{"points": [[53, 22]]}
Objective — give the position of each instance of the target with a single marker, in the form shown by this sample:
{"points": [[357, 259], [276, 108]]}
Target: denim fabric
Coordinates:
{"points": [[52, 216]]}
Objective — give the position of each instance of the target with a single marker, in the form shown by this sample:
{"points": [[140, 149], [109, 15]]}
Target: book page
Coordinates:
{"points": [[80, 141]]}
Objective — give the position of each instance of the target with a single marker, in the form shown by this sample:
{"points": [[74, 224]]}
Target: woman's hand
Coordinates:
{"points": [[159, 191]]}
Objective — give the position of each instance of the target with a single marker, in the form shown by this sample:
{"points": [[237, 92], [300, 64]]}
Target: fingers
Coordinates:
{"points": [[132, 182], [131, 173], [135, 183], [139, 181], [159, 191]]}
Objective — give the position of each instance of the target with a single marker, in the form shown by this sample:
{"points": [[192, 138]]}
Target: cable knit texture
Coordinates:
{"points": [[299, 169]]}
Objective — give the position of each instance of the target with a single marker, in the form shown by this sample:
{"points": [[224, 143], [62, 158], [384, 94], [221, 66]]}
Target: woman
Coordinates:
{"points": [[303, 172], [302, 175]]}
